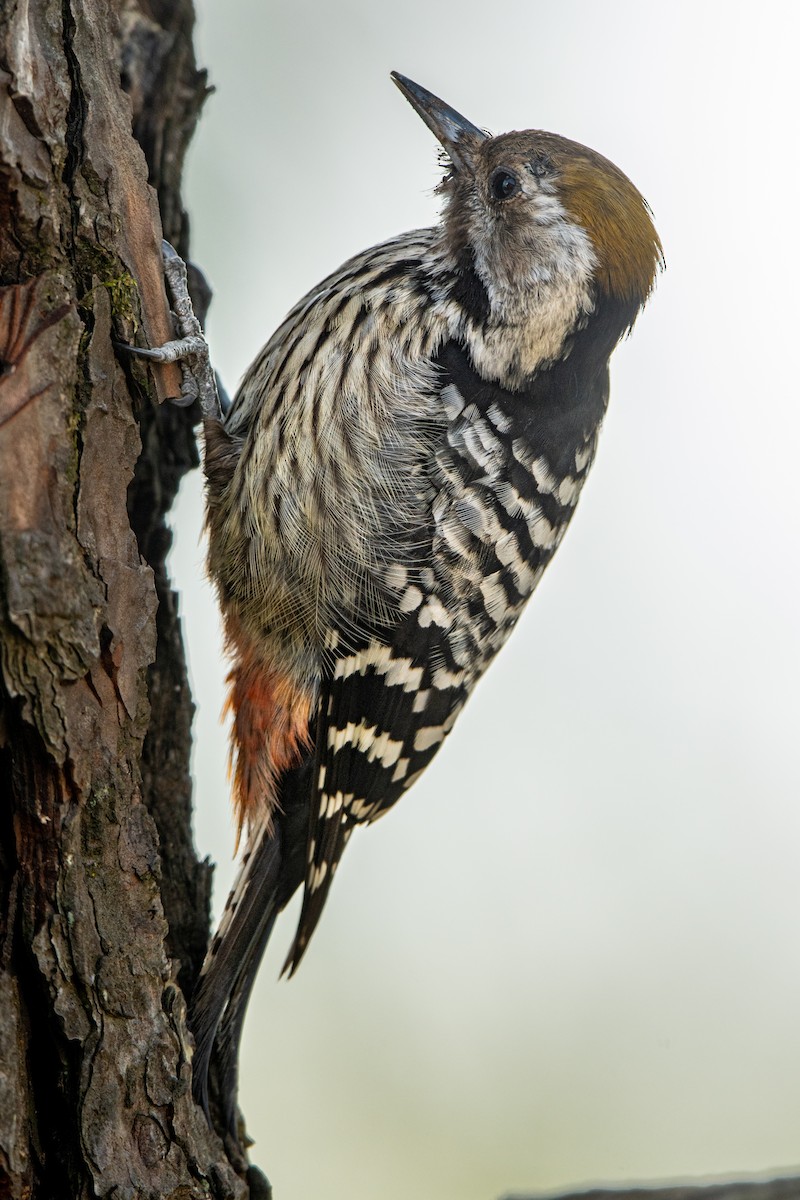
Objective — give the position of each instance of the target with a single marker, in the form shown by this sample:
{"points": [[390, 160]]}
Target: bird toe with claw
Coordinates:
{"points": [[190, 348]]}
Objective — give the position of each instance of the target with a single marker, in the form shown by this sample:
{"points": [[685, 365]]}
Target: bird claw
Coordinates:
{"points": [[189, 348]]}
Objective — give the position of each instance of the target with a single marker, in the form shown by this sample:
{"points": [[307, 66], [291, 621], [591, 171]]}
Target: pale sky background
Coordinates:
{"points": [[572, 953]]}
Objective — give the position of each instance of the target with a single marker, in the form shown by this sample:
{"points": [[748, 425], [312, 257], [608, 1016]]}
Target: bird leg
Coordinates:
{"points": [[189, 348]]}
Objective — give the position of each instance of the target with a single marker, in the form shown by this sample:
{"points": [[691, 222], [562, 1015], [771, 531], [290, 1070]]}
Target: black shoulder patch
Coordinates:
{"points": [[469, 291], [561, 405]]}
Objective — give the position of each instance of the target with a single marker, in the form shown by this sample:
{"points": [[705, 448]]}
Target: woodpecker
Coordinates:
{"points": [[397, 469]]}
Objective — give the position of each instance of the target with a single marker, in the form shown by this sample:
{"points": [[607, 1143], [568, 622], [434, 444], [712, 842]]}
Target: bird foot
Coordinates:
{"points": [[189, 348]]}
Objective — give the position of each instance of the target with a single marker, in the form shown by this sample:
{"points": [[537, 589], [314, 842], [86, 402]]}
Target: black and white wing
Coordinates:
{"points": [[504, 477]]}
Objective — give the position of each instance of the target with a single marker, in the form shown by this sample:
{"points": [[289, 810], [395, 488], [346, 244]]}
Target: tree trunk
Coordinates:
{"points": [[103, 904]]}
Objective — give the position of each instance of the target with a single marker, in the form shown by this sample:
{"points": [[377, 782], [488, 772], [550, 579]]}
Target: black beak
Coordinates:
{"points": [[455, 132]]}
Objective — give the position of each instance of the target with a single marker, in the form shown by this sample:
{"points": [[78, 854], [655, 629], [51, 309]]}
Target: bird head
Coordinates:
{"points": [[530, 211]]}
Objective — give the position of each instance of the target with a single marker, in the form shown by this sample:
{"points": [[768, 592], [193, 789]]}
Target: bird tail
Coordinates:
{"points": [[273, 867], [226, 980]]}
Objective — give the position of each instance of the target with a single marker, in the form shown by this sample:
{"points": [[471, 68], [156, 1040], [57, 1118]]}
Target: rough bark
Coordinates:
{"points": [[104, 907]]}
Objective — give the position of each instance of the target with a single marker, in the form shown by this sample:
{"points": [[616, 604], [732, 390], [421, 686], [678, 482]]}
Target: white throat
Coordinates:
{"points": [[540, 291]]}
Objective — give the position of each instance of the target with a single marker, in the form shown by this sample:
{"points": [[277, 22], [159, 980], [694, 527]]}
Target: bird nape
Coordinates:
{"points": [[393, 476]]}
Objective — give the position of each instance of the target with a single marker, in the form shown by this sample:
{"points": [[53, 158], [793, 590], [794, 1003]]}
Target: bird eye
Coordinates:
{"points": [[503, 184]]}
